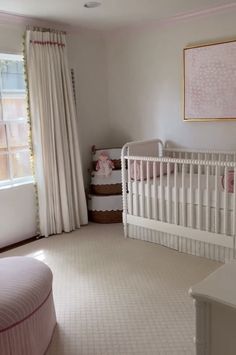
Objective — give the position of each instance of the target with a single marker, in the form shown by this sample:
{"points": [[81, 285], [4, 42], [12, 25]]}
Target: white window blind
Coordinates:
{"points": [[15, 165]]}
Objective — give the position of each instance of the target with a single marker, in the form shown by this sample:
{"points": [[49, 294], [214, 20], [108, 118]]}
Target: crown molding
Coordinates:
{"points": [[18, 19], [172, 20], [13, 18], [200, 13]]}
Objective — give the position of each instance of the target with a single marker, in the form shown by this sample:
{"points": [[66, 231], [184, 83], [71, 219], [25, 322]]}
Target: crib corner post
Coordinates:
{"points": [[124, 187], [125, 225]]}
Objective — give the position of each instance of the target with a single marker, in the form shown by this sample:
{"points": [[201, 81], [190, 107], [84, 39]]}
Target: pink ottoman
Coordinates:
{"points": [[27, 314]]}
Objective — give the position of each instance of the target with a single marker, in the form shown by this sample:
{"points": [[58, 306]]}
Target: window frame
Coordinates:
{"points": [[13, 181]]}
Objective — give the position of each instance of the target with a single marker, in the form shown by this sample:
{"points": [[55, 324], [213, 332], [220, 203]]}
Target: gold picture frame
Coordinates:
{"points": [[210, 82]]}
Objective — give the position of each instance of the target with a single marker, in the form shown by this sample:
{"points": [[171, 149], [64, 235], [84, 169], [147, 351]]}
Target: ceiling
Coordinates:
{"points": [[111, 14]]}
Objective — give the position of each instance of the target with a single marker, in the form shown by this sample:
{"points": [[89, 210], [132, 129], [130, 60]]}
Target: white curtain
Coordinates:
{"points": [[57, 163]]}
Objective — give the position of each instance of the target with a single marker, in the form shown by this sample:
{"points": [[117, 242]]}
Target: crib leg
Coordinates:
{"points": [[125, 225]]}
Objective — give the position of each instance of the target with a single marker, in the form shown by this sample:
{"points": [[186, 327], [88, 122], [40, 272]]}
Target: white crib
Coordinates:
{"points": [[177, 198]]}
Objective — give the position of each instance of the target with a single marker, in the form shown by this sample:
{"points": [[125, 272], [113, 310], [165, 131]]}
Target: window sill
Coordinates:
{"points": [[17, 184]]}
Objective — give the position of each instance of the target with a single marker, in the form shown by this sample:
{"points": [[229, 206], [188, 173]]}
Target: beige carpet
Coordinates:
{"points": [[119, 296]]}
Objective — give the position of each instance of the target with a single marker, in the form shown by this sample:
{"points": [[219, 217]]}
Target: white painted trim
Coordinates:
{"points": [[11, 56]]}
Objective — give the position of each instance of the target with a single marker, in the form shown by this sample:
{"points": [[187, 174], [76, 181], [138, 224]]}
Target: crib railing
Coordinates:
{"points": [[182, 191], [220, 156]]}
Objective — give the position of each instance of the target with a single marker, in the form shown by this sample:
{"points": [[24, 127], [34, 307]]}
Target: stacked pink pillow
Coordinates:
{"points": [[230, 181]]}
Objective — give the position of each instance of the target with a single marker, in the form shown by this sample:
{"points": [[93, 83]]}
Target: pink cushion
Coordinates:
{"points": [[230, 181], [25, 284], [27, 314]]}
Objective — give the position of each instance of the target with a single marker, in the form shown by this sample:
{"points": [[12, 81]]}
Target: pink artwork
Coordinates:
{"points": [[210, 82]]}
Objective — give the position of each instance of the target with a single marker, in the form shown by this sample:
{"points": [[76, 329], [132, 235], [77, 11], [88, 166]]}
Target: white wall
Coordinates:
{"points": [[17, 214], [88, 57], [145, 83], [11, 38]]}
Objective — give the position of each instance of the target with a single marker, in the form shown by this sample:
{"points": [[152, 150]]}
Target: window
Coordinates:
{"points": [[15, 165]]}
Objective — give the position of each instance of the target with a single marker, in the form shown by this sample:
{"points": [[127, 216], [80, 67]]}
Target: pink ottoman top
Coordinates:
{"points": [[25, 285]]}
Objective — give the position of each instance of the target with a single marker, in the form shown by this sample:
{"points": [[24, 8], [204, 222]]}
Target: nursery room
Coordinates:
{"points": [[117, 170]]}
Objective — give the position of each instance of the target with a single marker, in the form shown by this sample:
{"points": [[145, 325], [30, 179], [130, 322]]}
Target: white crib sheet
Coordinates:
{"points": [[147, 189]]}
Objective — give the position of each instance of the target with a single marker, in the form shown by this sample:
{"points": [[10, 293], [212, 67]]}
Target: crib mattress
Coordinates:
{"points": [[143, 188]]}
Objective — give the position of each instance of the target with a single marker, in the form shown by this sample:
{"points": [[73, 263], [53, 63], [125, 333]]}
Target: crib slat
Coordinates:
{"points": [[130, 187], [204, 167], [213, 158], [142, 207], [220, 159], [216, 199], [176, 195], [199, 207], [183, 197], [136, 195], [155, 190], [168, 194], [225, 200], [191, 196], [212, 167], [161, 192], [208, 221], [148, 191]]}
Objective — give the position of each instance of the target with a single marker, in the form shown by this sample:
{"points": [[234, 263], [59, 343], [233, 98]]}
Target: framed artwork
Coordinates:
{"points": [[210, 82]]}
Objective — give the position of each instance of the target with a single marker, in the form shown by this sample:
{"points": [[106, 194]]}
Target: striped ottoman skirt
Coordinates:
{"points": [[27, 314]]}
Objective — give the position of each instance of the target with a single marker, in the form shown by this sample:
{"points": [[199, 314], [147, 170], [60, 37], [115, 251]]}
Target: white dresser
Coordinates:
{"points": [[215, 304]]}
